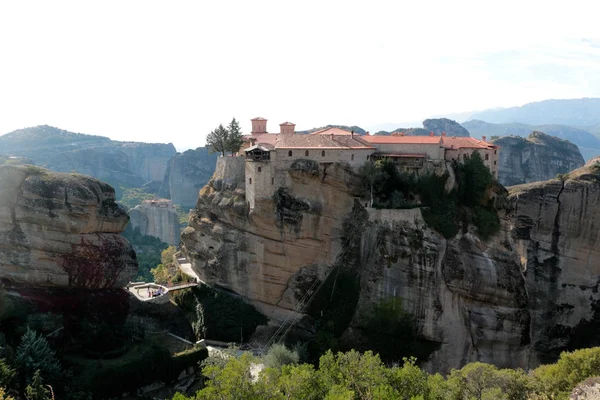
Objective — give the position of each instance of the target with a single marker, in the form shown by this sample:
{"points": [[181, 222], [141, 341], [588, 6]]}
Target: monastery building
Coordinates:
{"points": [[269, 156]]}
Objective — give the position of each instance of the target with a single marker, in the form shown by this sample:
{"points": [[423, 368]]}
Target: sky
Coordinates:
{"points": [[171, 71]]}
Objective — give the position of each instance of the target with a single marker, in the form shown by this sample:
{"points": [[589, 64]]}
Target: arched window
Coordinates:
{"points": [[306, 153], [289, 153], [250, 181], [487, 157], [322, 153], [352, 157]]}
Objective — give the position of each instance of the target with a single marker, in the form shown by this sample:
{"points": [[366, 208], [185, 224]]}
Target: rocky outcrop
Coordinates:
{"points": [[515, 300], [118, 163], [61, 230], [537, 158], [157, 218], [439, 125], [186, 174], [435, 125]]}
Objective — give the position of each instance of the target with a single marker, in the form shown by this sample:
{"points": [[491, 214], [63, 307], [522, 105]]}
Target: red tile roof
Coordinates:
{"points": [[287, 124], [258, 119], [299, 141], [335, 131], [454, 142], [262, 138], [397, 139]]}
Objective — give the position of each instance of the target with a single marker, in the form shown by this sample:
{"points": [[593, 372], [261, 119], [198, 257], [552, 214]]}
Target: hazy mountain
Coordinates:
{"points": [[577, 112], [588, 144]]}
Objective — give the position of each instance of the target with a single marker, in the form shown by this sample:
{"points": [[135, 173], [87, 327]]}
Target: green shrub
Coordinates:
{"points": [[278, 355]]}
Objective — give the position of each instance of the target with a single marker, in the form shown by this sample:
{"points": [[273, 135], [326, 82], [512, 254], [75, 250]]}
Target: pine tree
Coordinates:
{"points": [[37, 391], [34, 353], [217, 140], [234, 138]]}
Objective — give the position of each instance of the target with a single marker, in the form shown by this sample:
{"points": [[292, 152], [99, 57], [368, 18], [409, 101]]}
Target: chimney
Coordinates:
{"points": [[352, 133], [431, 134], [443, 133], [252, 141], [287, 128], [332, 136], [259, 125], [484, 138]]}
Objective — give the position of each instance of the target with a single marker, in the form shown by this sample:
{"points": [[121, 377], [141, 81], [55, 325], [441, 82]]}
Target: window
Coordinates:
{"points": [[259, 169], [289, 153], [487, 157], [272, 181], [494, 162], [367, 157], [323, 153], [306, 153], [495, 151], [250, 181], [352, 157]]}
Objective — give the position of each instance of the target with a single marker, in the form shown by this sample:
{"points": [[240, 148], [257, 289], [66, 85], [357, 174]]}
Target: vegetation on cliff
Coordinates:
{"points": [[222, 140], [446, 212], [353, 375]]}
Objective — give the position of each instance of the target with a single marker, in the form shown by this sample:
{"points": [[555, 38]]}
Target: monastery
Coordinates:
{"points": [[270, 155]]}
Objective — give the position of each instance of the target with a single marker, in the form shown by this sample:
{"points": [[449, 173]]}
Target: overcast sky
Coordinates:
{"points": [[171, 71]]}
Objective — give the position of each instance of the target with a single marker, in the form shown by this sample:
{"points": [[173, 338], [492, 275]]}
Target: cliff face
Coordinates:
{"points": [[61, 230], [186, 174], [155, 220], [537, 158], [439, 125], [516, 300]]}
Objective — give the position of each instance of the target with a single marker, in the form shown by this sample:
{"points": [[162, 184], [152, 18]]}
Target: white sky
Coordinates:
{"points": [[171, 71]]}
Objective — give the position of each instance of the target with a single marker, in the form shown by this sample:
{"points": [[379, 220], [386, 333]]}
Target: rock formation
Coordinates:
{"points": [[186, 174], [439, 125], [61, 230], [516, 300], [157, 218], [435, 125], [537, 158]]}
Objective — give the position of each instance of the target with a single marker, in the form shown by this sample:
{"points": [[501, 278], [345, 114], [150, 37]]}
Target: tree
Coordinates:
{"points": [[217, 140], [234, 137], [166, 256], [4, 396], [34, 353], [161, 274], [37, 391], [372, 173]]}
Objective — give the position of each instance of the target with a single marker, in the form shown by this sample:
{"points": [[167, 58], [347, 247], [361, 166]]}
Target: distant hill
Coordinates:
{"points": [[588, 144], [356, 129], [576, 112], [129, 164], [435, 125]]}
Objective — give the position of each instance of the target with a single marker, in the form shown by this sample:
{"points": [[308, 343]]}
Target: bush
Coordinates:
{"points": [[279, 355]]}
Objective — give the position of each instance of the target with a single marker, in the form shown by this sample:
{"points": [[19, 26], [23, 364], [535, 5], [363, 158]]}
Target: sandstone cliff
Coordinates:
{"points": [[516, 300], [157, 218], [186, 174], [61, 230], [537, 158]]}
